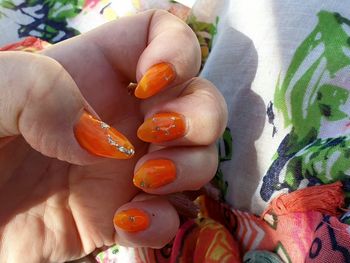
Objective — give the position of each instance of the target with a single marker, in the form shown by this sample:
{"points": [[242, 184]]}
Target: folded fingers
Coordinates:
{"points": [[198, 116], [176, 169], [146, 222]]}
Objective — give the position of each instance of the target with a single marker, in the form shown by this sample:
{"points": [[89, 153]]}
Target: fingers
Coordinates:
{"points": [[197, 117], [146, 222], [178, 169], [169, 41], [49, 111], [133, 46], [150, 221]]}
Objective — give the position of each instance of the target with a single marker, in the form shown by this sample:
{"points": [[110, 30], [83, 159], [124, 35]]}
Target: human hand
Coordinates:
{"points": [[58, 199]]}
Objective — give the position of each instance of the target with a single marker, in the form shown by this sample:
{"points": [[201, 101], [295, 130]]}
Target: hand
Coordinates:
{"points": [[58, 197]]}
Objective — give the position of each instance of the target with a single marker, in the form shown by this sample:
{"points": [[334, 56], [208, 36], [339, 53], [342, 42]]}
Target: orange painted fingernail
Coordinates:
{"points": [[155, 173], [162, 127], [154, 80], [132, 220], [100, 139]]}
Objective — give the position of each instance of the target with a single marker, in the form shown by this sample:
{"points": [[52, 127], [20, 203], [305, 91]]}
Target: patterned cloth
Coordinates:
{"points": [[284, 71]]}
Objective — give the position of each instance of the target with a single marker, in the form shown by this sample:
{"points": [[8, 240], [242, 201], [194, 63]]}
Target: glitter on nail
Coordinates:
{"points": [[119, 147], [166, 128], [132, 219], [104, 125]]}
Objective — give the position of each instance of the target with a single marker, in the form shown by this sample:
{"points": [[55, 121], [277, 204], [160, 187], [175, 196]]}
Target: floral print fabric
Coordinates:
{"points": [[309, 98]]}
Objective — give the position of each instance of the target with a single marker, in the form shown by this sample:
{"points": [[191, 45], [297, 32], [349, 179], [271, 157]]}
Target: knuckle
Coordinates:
{"points": [[45, 83], [215, 107]]}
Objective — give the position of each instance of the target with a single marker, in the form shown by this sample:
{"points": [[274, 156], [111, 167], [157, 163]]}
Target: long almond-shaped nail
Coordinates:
{"points": [[154, 80], [132, 220], [162, 127], [100, 139], [155, 173]]}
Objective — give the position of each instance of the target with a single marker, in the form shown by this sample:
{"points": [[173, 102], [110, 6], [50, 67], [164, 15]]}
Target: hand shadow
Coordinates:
{"points": [[232, 67]]}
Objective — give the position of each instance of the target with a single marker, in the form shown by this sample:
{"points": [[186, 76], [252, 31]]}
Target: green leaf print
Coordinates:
{"points": [[7, 4], [227, 141], [205, 33], [330, 98], [323, 162], [2, 15], [61, 10], [48, 18], [297, 97], [311, 97], [225, 154]]}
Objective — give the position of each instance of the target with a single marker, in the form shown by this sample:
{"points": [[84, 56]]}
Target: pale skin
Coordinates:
{"points": [[58, 200]]}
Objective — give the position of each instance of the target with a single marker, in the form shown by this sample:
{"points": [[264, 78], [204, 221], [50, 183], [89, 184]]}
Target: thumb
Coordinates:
{"points": [[40, 101]]}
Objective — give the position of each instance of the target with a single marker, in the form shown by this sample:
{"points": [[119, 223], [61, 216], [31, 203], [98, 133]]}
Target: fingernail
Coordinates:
{"points": [[154, 80], [155, 173], [132, 220], [100, 139], [162, 127]]}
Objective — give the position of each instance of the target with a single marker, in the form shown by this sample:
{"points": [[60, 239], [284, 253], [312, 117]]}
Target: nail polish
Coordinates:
{"points": [[154, 174], [162, 127], [132, 220], [154, 80], [100, 139]]}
